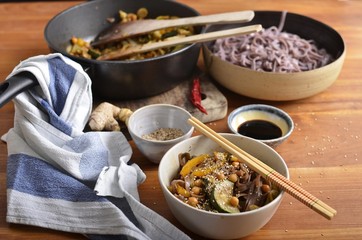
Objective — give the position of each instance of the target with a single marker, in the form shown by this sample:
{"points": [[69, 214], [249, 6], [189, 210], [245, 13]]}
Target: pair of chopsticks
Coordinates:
{"points": [[282, 182]]}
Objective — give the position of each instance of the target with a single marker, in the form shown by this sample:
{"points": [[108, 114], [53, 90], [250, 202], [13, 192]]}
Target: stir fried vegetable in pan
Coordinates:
{"points": [[219, 182], [82, 48]]}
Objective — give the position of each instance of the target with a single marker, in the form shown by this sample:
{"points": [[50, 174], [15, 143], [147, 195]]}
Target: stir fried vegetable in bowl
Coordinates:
{"points": [[219, 182], [217, 211]]}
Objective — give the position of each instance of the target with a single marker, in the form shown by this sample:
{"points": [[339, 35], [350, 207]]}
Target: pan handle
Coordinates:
{"points": [[15, 85]]}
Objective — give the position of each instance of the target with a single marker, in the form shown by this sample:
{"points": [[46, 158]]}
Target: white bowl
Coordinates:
{"points": [[152, 117], [266, 113], [219, 225]]}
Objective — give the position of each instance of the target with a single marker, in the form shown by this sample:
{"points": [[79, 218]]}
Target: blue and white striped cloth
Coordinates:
{"points": [[61, 178]]}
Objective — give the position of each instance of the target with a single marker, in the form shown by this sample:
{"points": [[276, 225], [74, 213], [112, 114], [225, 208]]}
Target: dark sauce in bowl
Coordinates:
{"points": [[260, 129]]}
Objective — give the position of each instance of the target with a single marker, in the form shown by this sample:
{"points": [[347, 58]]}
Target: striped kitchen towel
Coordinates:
{"points": [[62, 178]]}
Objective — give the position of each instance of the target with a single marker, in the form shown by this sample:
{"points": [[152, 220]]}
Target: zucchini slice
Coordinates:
{"points": [[221, 195]]}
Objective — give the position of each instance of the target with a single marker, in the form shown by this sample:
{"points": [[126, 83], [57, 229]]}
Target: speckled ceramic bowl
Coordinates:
{"points": [[149, 118], [265, 123]]}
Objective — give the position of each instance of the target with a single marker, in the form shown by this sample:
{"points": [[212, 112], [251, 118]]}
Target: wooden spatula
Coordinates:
{"points": [[134, 28], [118, 54]]}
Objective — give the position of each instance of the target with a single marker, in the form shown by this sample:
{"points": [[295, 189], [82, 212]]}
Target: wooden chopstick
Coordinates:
{"points": [[203, 37], [266, 171]]}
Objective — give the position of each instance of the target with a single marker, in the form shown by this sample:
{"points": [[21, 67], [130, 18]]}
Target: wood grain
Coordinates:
{"points": [[324, 152]]}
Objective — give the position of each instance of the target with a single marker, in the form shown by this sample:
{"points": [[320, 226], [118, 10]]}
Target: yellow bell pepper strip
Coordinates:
{"points": [[203, 171], [234, 159], [182, 191], [192, 163]]}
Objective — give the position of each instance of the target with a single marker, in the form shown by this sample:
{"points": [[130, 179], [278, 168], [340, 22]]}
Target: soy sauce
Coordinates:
{"points": [[260, 129]]}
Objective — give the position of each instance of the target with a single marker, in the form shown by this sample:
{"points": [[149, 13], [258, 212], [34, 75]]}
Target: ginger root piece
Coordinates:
{"points": [[124, 115], [106, 117]]}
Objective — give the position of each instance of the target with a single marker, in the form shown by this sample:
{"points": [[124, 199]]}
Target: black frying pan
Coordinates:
{"points": [[123, 79], [115, 80]]}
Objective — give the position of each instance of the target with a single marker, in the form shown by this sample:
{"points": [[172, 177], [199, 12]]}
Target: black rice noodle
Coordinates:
{"points": [[272, 50]]}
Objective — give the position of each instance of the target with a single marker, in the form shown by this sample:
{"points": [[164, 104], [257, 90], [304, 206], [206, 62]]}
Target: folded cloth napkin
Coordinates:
{"points": [[61, 178]]}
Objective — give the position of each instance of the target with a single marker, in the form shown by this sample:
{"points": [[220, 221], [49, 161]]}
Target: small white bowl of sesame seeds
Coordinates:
{"points": [[156, 128]]}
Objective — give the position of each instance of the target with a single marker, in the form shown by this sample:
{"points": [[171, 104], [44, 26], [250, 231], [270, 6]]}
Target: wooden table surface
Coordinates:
{"points": [[324, 153]]}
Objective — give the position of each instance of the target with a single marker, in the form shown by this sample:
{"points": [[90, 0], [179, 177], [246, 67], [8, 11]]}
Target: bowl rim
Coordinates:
{"points": [[52, 46], [158, 105], [204, 212], [284, 115]]}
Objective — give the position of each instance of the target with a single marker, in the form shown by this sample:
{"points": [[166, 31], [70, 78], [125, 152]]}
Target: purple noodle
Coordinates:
{"points": [[272, 50]]}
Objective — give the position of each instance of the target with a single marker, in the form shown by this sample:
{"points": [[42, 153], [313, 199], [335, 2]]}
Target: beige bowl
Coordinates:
{"points": [[280, 86], [213, 225]]}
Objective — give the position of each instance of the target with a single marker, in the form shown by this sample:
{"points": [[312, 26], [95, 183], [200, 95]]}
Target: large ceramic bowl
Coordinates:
{"points": [[213, 225], [123, 79], [280, 86], [151, 118]]}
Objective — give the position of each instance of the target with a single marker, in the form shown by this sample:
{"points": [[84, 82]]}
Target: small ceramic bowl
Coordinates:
{"points": [[212, 225], [152, 117], [265, 123]]}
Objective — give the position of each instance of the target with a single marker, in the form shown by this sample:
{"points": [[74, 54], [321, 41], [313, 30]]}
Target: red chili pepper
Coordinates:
{"points": [[196, 95]]}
